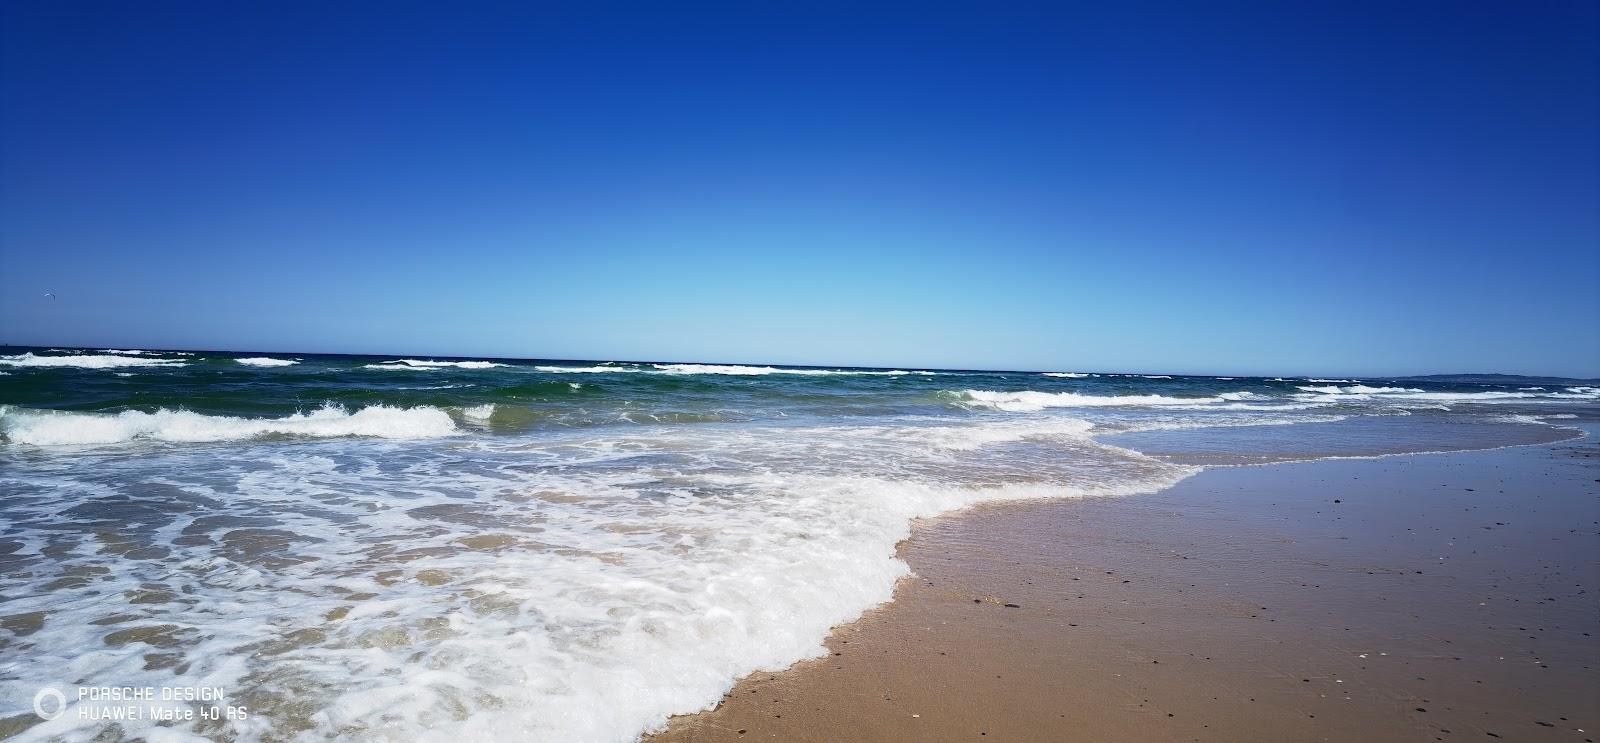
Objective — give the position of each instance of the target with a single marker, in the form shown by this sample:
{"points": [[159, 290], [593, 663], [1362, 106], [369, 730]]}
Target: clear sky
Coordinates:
{"points": [[1287, 187]]}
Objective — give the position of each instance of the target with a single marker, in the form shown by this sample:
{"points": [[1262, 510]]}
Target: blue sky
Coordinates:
{"points": [[1350, 188]]}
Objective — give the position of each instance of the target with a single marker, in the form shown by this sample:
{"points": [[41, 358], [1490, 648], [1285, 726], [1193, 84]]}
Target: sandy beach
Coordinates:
{"points": [[1408, 598]]}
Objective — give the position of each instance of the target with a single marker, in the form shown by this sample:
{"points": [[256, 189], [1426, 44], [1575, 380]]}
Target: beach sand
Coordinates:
{"points": [[1415, 598]]}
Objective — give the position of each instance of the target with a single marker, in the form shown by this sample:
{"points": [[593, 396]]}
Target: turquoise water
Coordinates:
{"points": [[419, 549]]}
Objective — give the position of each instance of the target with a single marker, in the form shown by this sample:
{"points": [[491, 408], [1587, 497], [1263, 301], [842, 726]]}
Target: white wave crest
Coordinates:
{"points": [[1389, 394], [130, 352], [601, 369], [1356, 389], [56, 428], [1029, 401], [758, 371], [478, 413], [426, 364], [1066, 375], [85, 361], [266, 361]]}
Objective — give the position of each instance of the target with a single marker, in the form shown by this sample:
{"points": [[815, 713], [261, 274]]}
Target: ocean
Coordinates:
{"points": [[363, 547]]}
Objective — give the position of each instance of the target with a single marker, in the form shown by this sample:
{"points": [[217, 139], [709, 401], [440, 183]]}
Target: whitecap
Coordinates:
{"points": [[1028, 401], [758, 371], [85, 361], [601, 369], [428, 364], [1357, 389], [54, 428]]}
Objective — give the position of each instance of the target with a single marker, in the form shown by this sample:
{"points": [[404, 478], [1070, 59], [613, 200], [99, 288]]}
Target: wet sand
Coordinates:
{"points": [[1418, 598]]}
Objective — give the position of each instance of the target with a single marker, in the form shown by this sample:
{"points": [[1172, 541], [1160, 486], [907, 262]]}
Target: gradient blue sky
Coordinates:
{"points": [[1295, 187]]}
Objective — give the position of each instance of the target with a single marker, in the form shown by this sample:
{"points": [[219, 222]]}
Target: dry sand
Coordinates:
{"points": [[1418, 598]]}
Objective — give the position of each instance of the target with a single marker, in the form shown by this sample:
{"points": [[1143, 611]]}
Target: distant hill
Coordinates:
{"points": [[1497, 379]]}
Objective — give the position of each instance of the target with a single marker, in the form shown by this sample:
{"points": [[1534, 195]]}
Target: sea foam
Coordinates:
{"points": [[759, 371], [426, 364], [1355, 389], [266, 361], [56, 428], [1402, 394], [600, 369], [617, 582], [86, 361], [1030, 401]]}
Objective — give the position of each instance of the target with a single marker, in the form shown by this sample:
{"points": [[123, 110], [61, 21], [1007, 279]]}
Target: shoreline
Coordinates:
{"points": [[1245, 602]]}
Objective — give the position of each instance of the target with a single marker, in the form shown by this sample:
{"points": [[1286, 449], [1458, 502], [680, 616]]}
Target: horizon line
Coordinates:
{"points": [[1356, 377]]}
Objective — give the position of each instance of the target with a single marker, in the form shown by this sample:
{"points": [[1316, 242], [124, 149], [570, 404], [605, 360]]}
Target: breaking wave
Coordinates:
{"points": [[424, 364], [59, 428], [1030, 401], [600, 369], [86, 361], [1379, 394], [758, 371]]}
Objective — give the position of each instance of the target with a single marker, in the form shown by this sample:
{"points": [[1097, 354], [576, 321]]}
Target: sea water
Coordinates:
{"points": [[465, 549]]}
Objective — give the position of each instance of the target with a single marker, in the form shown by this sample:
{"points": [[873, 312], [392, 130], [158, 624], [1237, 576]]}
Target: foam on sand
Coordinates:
{"points": [[266, 361], [85, 361], [58, 428], [592, 605]]}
